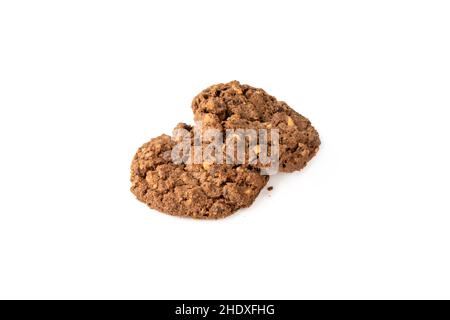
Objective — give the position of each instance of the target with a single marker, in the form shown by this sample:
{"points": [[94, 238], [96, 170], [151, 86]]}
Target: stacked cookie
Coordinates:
{"points": [[216, 189]]}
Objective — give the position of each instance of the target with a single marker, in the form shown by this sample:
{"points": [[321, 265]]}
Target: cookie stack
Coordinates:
{"points": [[216, 189]]}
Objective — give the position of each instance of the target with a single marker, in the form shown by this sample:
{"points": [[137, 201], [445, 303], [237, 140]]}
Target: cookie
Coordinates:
{"points": [[235, 106], [201, 191]]}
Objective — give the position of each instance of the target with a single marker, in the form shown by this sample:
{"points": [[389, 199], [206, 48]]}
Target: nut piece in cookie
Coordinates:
{"points": [[235, 106], [202, 191]]}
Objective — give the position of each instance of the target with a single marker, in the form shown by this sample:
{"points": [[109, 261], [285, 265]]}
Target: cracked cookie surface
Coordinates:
{"points": [[235, 106], [193, 190]]}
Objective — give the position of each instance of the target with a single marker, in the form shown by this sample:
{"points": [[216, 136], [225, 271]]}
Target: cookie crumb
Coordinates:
{"points": [[270, 188]]}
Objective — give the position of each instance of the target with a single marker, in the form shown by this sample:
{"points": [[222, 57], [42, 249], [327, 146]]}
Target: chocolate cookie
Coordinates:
{"points": [[236, 106], [202, 191]]}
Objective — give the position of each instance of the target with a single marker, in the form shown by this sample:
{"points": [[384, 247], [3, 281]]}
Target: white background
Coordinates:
{"points": [[84, 83]]}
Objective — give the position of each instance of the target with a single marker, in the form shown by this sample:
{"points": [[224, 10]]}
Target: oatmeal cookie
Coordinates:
{"points": [[202, 191], [235, 106]]}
